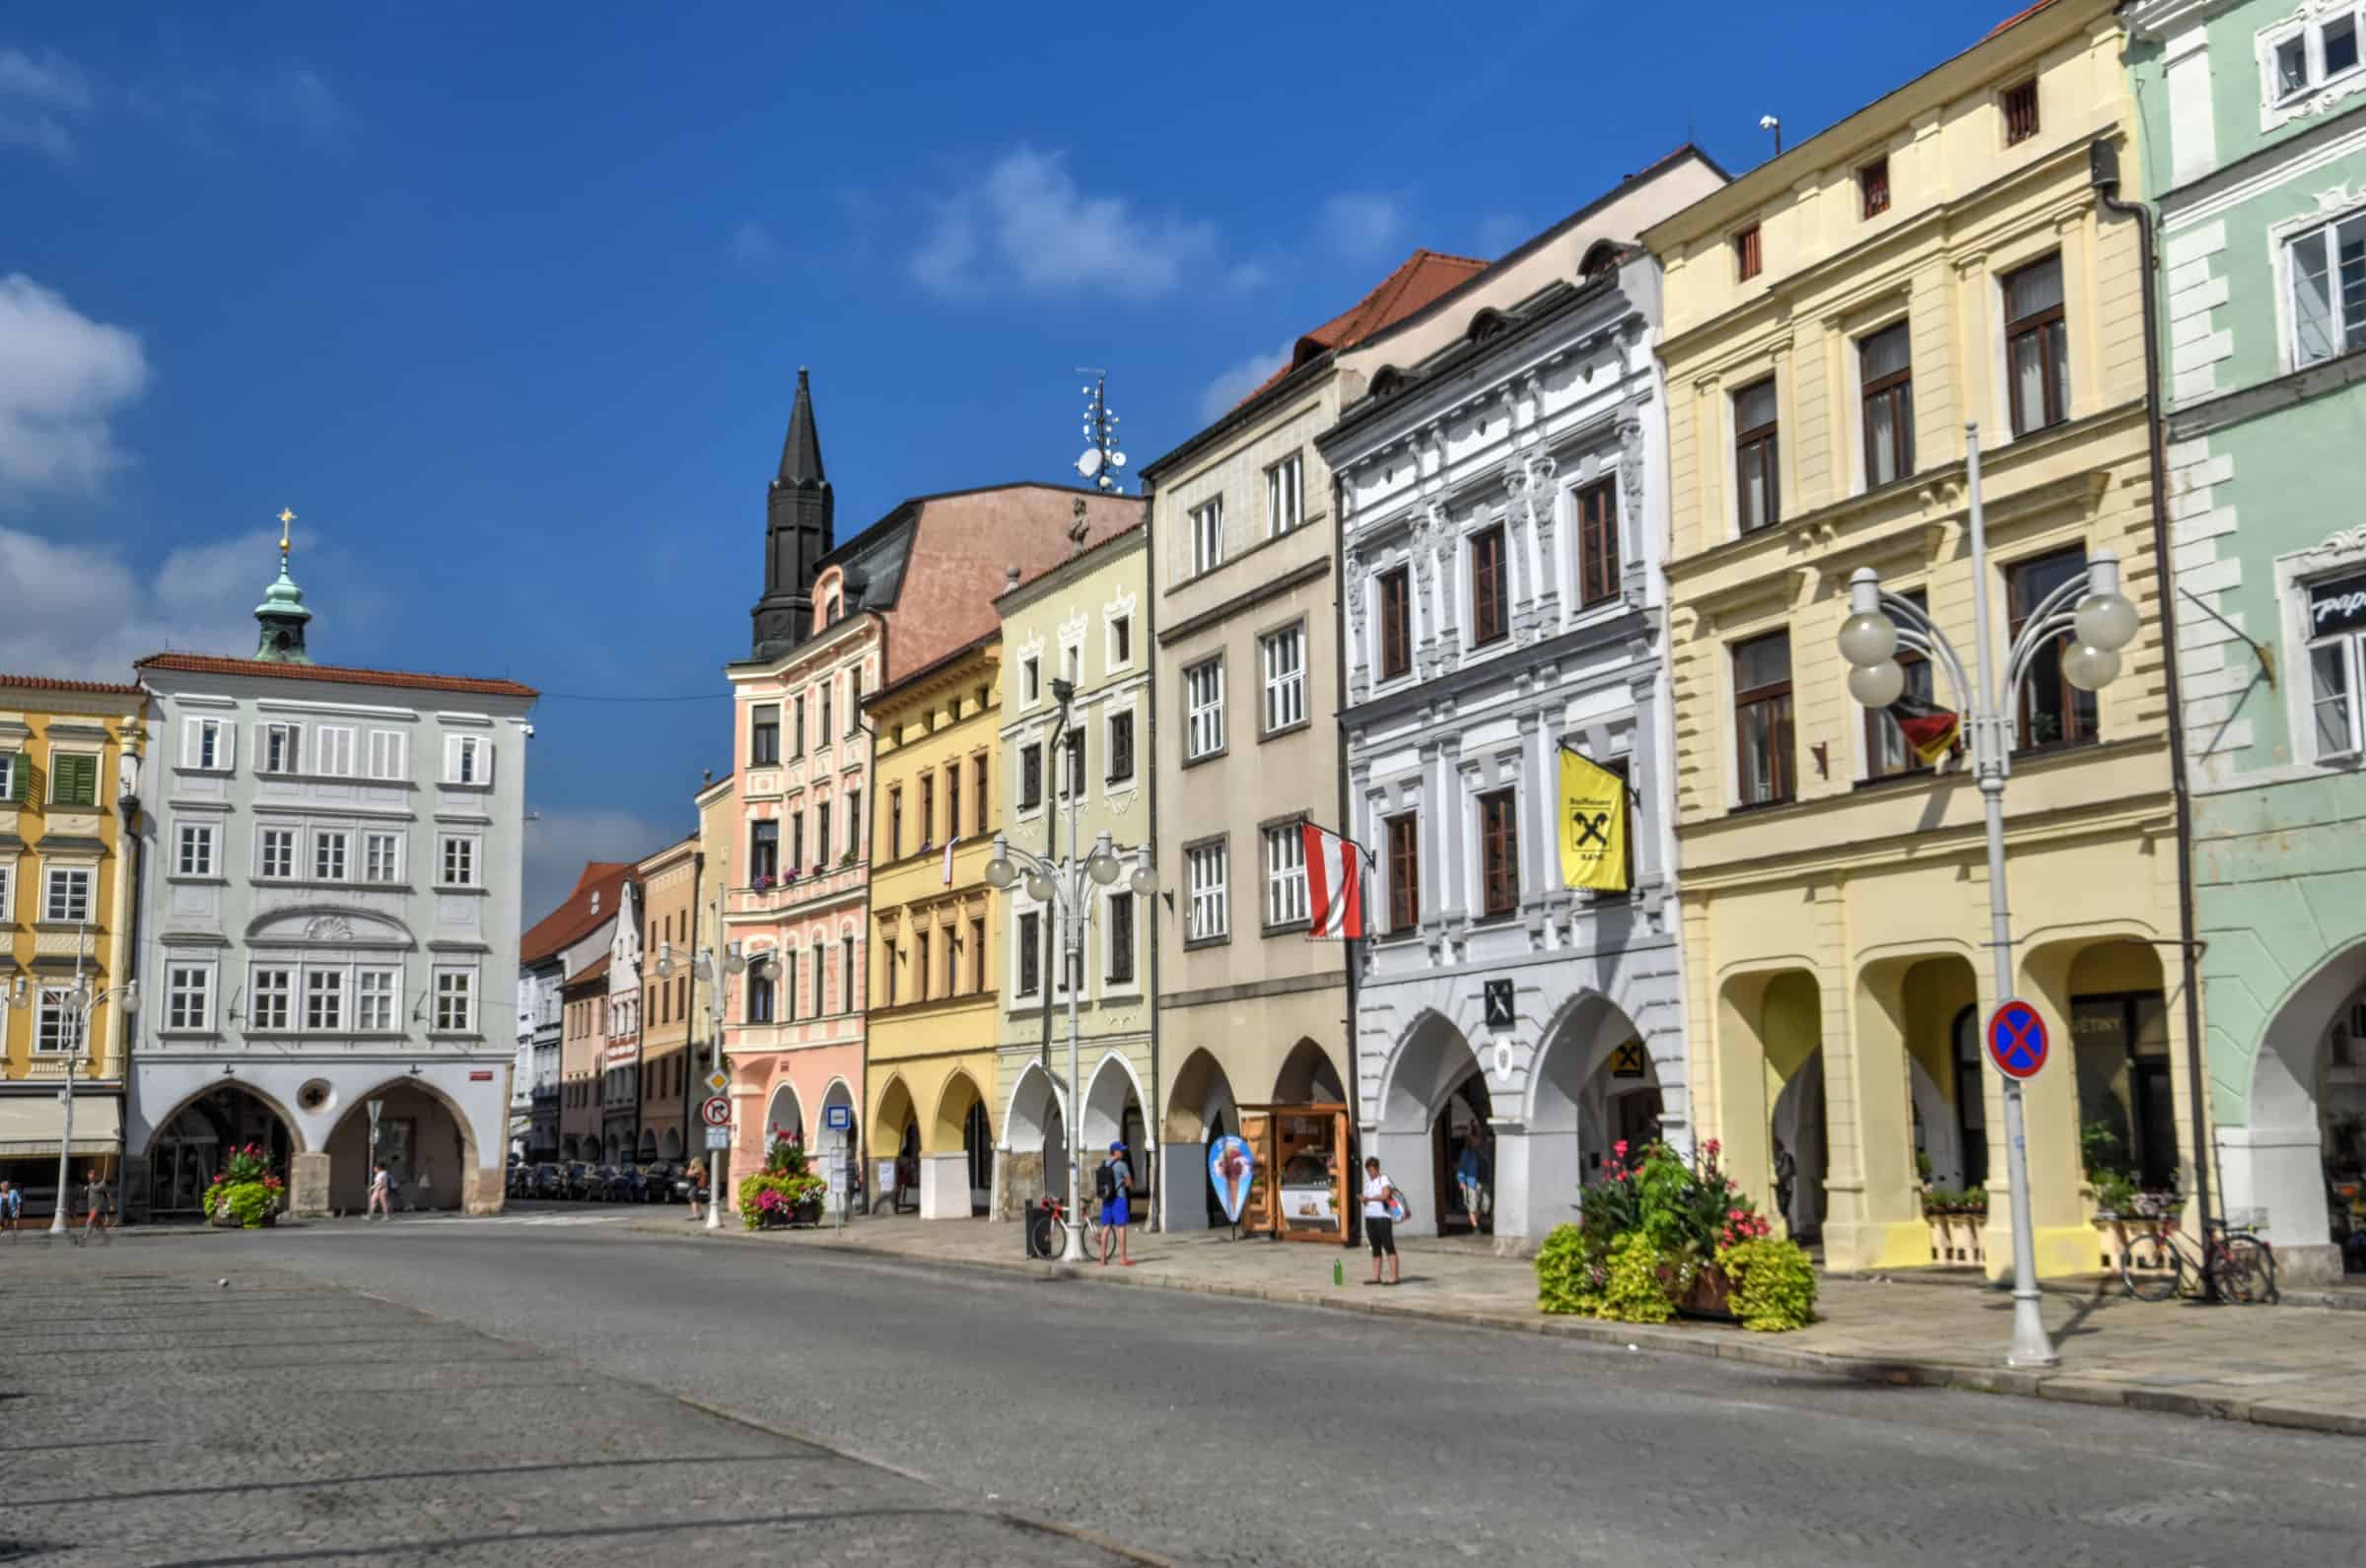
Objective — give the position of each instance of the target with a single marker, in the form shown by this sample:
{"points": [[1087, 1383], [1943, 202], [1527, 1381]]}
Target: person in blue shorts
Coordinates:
{"points": [[1113, 1184]]}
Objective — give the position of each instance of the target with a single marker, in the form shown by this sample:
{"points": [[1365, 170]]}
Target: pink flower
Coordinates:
{"points": [[1619, 1148]]}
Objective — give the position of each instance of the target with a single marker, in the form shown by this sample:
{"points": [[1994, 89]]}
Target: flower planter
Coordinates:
{"points": [[1955, 1237], [1709, 1296], [2122, 1229], [224, 1219]]}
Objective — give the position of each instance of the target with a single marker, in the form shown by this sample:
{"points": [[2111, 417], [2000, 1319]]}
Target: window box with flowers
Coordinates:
{"points": [[786, 1192], [1955, 1220], [245, 1194]]}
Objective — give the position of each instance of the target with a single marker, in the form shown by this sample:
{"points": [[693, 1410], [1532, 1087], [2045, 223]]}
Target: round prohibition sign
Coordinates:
{"points": [[716, 1113], [2017, 1039]]}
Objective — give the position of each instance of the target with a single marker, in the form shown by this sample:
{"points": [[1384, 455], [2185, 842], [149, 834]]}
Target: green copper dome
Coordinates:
{"points": [[282, 616]]}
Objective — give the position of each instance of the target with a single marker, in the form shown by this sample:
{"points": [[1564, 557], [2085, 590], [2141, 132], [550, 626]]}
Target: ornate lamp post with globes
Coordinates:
{"points": [[1064, 884], [712, 967], [2101, 622]]}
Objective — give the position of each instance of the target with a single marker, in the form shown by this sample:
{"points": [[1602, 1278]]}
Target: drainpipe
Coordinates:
{"points": [[2102, 174], [1155, 1129], [698, 872], [129, 805], [1351, 1208]]}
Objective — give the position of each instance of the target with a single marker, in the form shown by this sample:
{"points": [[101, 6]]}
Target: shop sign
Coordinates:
{"points": [[1231, 1165], [1631, 1060], [1499, 1015], [2337, 606]]}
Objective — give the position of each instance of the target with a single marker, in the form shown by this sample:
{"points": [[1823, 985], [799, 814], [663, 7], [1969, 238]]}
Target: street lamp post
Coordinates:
{"points": [[2101, 622], [1065, 885], [707, 965], [84, 1002]]}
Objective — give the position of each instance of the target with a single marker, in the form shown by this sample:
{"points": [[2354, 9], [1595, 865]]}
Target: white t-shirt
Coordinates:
{"points": [[1376, 1196]]}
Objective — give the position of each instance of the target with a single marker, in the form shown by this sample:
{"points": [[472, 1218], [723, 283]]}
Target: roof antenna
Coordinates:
{"points": [[1101, 459], [1768, 122]]}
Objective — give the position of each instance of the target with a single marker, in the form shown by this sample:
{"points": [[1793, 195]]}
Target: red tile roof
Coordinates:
{"points": [[50, 683], [579, 917], [1420, 279], [213, 664], [2019, 17]]}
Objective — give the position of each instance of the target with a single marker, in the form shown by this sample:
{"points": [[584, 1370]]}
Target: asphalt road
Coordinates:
{"points": [[1215, 1431]]}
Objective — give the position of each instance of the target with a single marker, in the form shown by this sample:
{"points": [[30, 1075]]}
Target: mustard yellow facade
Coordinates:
{"points": [[1835, 319], [66, 891], [936, 960]]}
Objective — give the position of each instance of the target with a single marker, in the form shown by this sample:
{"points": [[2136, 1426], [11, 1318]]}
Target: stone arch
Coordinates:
{"points": [[649, 1146], [1426, 1074], [1308, 1075], [784, 1114], [960, 1145], [1580, 1102], [670, 1147], [424, 1173], [184, 1155], [1034, 1138], [1117, 1112], [1199, 1106], [1769, 1027], [2275, 1145]]}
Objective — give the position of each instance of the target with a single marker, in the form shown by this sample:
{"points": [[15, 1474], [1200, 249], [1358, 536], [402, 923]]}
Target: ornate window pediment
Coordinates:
{"points": [[325, 925]]}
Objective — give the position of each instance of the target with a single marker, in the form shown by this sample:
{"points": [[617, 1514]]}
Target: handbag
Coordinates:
{"points": [[1396, 1203]]}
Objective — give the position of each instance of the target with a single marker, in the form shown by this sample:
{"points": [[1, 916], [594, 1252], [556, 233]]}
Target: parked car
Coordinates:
{"points": [[583, 1180], [549, 1182], [635, 1186], [659, 1188]]}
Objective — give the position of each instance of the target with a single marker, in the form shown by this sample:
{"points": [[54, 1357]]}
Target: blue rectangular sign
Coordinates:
{"points": [[838, 1117]]}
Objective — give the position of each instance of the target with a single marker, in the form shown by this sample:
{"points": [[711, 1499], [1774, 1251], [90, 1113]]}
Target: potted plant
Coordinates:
{"points": [[245, 1195], [762, 882], [786, 1192]]}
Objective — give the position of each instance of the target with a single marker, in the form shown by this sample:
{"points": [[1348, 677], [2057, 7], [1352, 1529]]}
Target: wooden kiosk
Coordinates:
{"points": [[1303, 1189]]}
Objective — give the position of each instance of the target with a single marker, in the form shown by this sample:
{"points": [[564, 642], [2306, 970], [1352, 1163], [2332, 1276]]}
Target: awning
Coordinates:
{"points": [[31, 1124]]}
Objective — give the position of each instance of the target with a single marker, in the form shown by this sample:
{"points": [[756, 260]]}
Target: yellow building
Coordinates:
{"points": [[65, 890], [936, 963], [1834, 319]]}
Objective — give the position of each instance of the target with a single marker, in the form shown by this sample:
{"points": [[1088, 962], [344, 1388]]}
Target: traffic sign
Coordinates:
{"points": [[718, 1081], [716, 1113], [2017, 1041], [719, 1137], [838, 1117]]}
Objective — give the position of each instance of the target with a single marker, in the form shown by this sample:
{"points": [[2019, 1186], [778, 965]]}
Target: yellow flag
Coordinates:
{"points": [[1593, 825]]}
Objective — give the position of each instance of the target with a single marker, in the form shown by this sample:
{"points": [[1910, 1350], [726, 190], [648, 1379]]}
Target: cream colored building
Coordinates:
{"points": [[1833, 318]]}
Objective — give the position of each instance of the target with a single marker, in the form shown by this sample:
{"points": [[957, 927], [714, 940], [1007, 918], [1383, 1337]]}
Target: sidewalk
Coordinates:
{"points": [[2292, 1366]]}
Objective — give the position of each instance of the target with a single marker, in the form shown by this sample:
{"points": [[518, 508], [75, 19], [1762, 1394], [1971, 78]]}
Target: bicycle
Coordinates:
{"points": [[2153, 1268], [1046, 1229]]}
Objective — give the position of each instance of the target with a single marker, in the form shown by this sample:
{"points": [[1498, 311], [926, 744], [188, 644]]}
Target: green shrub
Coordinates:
{"points": [[1569, 1274], [1773, 1284], [250, 1204], [1635, 1289]]}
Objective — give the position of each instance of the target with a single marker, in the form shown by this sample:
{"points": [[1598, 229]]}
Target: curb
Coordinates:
{"points": [[1738, 1346]]}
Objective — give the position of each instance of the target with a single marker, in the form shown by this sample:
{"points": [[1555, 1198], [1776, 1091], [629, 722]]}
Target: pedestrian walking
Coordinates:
{"points": [[1381, 1205], [698, 1179], [12, 1204], [381, 1194], [1470, 1178], [1113, 1184], [95, 1205]]}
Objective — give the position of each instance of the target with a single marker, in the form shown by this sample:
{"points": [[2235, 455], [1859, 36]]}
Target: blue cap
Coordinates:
{"points": [[1117, 1148]]}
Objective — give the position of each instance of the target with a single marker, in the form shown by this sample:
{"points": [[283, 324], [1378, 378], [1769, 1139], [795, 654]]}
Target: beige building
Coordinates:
{"points": [[670, 892], [1833, 318], [1245, 670]]}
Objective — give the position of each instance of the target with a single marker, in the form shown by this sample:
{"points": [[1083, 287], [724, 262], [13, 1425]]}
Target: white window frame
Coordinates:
{"points": [[332, 854], [1206, 872], [208, 744], [78, 908], [2281, 102], [1204, 708], [456, 1001], [469, 845], [325, 998], [332, 751], [2348, 647], [265, 840], [8, 778], [2328, 231], [279, 748], [1287, 902], [194, 847], [381, 858], [1030, 679], [1286, 495], [59, 1023], [377, 1000], [389, 755], [1207, 535], [1113, 627], [271, 998], [468, 761], [1285, 689], [188, 997], [8, 891]]}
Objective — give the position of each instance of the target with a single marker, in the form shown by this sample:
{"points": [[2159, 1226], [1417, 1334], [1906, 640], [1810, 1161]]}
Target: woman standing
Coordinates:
{"points": [[698, 1179], [1379, 1224]]}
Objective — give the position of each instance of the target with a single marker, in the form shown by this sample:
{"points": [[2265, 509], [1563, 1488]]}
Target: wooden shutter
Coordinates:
{"points": [[20, 782]]}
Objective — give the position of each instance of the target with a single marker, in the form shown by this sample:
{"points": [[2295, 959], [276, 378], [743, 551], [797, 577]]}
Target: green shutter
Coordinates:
{"points": [[77, 778], [20, 779]]}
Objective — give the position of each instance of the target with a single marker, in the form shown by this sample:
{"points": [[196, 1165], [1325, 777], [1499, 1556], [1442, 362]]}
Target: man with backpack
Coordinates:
{"points": [[1113, 1184]]}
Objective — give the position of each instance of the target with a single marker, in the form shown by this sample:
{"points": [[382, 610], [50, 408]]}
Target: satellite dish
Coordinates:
{"points": [[1116, 460], [1090, 463]]}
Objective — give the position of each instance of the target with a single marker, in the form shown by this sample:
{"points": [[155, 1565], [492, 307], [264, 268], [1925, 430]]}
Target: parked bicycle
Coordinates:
{"points": [[1046, 1229], [2156, 1265]]}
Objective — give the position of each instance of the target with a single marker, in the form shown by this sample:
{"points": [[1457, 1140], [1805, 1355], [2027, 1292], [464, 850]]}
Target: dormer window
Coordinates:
{"points": [[1388, 382], [596, 901]]}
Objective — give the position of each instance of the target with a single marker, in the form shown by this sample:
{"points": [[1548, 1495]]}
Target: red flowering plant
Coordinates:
{"points": [[244, 1191], [784, 1190]]}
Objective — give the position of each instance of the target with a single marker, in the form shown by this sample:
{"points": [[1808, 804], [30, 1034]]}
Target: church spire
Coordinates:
{"points": [[281, 615], [799, 533]]}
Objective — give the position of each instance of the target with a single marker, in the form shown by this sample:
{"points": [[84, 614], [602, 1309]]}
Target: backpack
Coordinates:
{"points": [[1104, 1185]]}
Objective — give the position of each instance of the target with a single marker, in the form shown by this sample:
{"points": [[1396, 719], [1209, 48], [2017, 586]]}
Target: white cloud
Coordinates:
{"points": [[78, 611], [1362, 228], [1028, 227], [751, 242], [36, 98], [558, 844], [1239, 382], [62, 381]]}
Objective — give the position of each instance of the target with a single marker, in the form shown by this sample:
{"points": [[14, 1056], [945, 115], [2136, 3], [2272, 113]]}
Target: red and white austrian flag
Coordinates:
{"points": [[1334, 885]]}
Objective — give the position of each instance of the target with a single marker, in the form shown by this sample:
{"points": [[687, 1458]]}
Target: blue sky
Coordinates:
{"points": [[507, 300]]}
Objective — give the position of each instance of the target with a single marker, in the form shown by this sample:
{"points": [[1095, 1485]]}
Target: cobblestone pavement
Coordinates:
{"points": [[149, 1416], [1223, 1431]]}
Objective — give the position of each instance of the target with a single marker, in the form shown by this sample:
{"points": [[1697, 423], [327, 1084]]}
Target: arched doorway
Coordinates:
{"points": [[1307, 1077], [670, 1147], [1035, 1144], [1200, 1109], [952, 1186], [2296, 1164], [187, 1151], [428, 1146], [1792, 1029], [1430, 1084], [648, 1146], [1113, 1114], [571, 1148], [896, 1145], [1594, 1086], [840, 1163], [784, 1116]]}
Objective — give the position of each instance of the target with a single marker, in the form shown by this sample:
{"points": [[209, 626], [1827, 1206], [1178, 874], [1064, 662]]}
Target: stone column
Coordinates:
{"points": [[944, 1185], [308, 1183]]}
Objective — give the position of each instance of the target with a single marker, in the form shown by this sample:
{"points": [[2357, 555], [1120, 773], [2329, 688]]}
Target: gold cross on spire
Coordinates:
{"points": [[284, 517]]}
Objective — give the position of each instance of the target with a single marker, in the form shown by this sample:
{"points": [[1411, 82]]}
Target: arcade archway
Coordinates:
{"points": [[427, 1144], [188, 1151]]}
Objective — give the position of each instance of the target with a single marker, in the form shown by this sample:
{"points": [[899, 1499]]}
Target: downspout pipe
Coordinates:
{"points": [[2103, 174], [1351, 1218]]}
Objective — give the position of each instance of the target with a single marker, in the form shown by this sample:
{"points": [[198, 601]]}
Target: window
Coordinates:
{"points": [[1121, 641], [467, 760], [2021, 111], [977, 790], [764, 736], [1030, 776], [332, 752], [1071, 665], [1121, 746], [1207, 535], [927, 810], [977, 955], [14, 769], [797, 729], [2053, 712], [1285, 495], [2312, 56], [324, 999], [1285, 659], [1210, 908], [389, 754], [1072, 786], [273, 999], [460, 861], [2037, 346], [188, 997], [829, 690], [758, 997], [1030, 678], [952, 802], [896, 823], [1873, 189], [2329, 291], [1284, 875], [821, 835], [1499, 852], [820, 1004], [8, 891], [194, 855], [73, 779], [375, 995], [1885, 371], [67, 898], [952, 962], [853, 823], [1757, 471], [1888, 753], [328, 856], [763, 851], [1030, 953], [1488, 589], [1396, 623], [1598, 543], [205, 745], [1403, 840], [61, 1021], [2337, 617], [1746, 262], [854, 701], [1761, 718], [846, 972], [283, 748], [455, 1012], [1204, 708], [1120, 940], [919, 965], [277, 856], [381, 857]]}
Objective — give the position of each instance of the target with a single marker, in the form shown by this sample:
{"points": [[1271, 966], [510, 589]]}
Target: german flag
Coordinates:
{"points": [[1930, 731]]}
